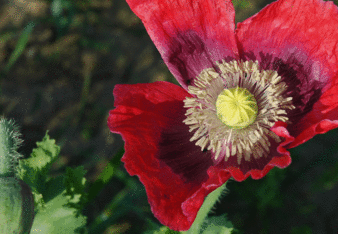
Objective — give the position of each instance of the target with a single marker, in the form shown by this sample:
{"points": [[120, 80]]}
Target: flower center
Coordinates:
{"points": [[236, 107], [233, 107]]}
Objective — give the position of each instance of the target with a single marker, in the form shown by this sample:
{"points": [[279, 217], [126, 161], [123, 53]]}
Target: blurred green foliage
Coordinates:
{"points": [[20, 46]]}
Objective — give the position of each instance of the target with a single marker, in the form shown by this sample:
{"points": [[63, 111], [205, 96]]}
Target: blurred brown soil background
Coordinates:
{"points": [[63, 82]]}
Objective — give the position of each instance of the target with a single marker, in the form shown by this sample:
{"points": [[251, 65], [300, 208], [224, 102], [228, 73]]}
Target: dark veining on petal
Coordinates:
{"points": [[303, 86], [254, 163], [181, 155], [189, 55]]}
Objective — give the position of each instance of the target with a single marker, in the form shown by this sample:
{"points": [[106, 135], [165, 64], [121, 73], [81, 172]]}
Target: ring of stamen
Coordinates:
{"points": [[244, 137]]}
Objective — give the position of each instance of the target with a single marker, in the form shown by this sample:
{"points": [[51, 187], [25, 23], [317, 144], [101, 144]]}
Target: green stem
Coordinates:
{"points": [[202, 214]]}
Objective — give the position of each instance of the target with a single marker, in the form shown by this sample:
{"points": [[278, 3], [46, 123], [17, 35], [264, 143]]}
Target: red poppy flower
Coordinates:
{"points": [[248, 94]]}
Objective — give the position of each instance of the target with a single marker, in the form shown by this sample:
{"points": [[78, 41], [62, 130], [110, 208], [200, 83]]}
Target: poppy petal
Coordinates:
{"points": [[189, 34], [322, 118], [257, 168], [174, 171], [298, 39]]}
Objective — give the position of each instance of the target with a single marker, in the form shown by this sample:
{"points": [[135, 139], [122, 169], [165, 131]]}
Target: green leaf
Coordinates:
{"points": [[43, 156], [57, 218], [35, 170], [217, 225], [20, 46], [75, 187], [53, 187], [106, 175], [57, 200]]}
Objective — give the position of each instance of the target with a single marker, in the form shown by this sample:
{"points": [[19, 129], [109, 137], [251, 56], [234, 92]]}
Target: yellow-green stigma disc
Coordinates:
{"points": [[236, 107]]}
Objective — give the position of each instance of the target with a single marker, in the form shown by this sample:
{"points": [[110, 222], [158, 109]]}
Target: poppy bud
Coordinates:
{"points": [[16, 206], [16, 198]]}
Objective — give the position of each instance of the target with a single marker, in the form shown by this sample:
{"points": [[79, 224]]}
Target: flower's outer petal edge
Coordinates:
{"points": [[299, 39], [279, 157], [217, 177], [189, 34], [322, 118], [143, 112]]}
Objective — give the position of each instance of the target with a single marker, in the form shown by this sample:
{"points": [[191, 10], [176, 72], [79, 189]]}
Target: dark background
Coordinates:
{"points": [[61, 79]]}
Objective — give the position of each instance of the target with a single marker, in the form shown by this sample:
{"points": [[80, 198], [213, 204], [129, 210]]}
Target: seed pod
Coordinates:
{"points": [[16, 206]]}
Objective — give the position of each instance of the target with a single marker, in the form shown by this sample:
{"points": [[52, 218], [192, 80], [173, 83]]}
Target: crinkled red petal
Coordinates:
{"points": [[258, 168], [190, 34], [298, 39], [158, 150], [322, 118]]}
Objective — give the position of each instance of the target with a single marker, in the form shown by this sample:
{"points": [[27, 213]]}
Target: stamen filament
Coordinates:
{"points": [[232, 110]]}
